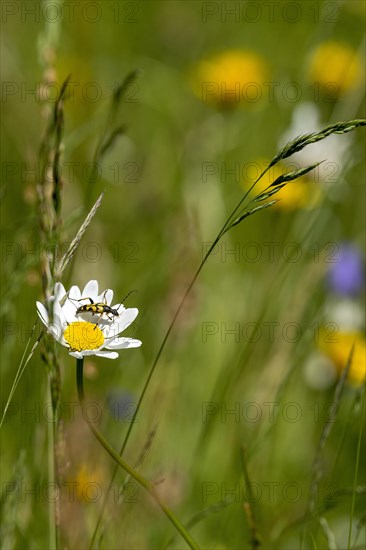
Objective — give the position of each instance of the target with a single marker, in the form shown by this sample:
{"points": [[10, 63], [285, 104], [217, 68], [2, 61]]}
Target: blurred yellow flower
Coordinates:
{"points": [[300, 193], [338, 347], [89, 484], [337, 67], [232, 78]]}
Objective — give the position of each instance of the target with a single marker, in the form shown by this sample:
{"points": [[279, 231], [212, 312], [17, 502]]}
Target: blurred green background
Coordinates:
{"points": [[249, 337]]}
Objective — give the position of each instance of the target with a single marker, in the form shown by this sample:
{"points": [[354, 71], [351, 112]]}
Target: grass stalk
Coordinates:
{"points": [[289, 149], [53, 504], [357, 467], [255, 539]]}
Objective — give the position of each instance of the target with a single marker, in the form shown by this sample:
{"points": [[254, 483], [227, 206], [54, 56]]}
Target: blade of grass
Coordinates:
{"points": [[255, 538], [350, 419], [331, 540], [21, 368], [52, 506], [316, 470], [357, 466], [201, 515]]}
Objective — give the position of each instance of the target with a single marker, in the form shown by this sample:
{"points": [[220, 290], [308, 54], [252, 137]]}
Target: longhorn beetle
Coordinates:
{"points": [[99, 308]]}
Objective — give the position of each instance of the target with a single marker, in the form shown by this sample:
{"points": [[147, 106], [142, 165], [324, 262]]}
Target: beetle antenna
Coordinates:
{"points": [[127, 295]]}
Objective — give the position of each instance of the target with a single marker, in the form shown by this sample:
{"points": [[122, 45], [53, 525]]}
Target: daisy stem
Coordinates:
{"points": [[146, 484]]}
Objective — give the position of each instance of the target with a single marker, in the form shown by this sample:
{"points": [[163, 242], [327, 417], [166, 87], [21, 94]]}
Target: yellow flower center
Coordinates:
{"points": [[83, 336]]}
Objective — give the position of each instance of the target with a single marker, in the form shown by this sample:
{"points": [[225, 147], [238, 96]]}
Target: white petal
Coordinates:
{"points": [[91, 290], [58, 315], [43, 313], [107, 354], [96, 319], [56, 328], [59, 291], [63, 342], [124, 320], [74, 293], [111, 326], [99, 353], [69, 311], [123, 343], [57, 332], [76, 354]]}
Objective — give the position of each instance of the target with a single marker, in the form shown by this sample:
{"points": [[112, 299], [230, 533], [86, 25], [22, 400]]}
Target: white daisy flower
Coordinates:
{"points": [[86, 332]]}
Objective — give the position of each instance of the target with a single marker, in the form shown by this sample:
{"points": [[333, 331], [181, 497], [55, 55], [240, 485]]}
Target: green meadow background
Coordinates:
{"points": [[232, 420]]}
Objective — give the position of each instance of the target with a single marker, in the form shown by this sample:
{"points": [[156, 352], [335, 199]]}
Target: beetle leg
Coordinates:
{"points": [[104, 296], [81, 299], [86, 298], [97, 323]]}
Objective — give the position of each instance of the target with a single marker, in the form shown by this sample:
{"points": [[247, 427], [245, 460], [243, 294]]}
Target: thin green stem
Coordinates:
{"points": [[54, 384], [56, 480], [222, 231], [248, 505], [357, 466], [21, 368], [53, 535], [292, 147], [146, 484]]}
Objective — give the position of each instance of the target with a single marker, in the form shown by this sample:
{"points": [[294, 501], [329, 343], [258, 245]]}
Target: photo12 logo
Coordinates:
{"points": [[267, 331], [271, 12], [76, 92], [70, 491], [70, 11], [270, 492], [269, 411]]}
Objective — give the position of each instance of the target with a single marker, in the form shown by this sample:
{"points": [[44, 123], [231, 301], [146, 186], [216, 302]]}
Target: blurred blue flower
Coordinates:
{"points": [[121, 405], [346, 275]]}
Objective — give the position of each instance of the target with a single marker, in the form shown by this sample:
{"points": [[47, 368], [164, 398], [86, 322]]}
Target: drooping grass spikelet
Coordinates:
{"points": [[302, 141], [295, 174], [58, 131], [282, 181], [250, 212], [67, 257], [110, 132]]}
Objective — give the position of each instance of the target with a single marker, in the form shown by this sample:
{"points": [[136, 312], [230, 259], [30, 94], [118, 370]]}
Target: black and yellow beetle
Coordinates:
{"points": [[99, 308]]}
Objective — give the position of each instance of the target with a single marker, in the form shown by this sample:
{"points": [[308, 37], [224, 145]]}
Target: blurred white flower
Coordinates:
{"points": [[319, 372], [347, 314]]}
